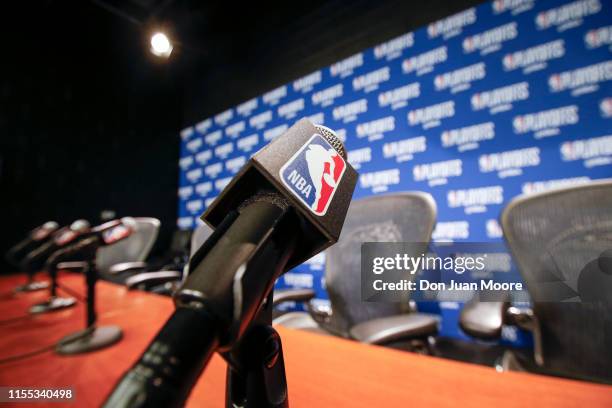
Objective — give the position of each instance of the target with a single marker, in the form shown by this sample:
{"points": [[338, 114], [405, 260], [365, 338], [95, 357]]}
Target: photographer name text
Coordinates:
{"points": [[423, 284]]}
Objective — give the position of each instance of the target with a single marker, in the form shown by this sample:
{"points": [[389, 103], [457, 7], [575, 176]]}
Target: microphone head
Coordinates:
{"points": [[307, 165], [64, 236], [44, 230], [114, 231], [129, 222], [68, 234], [80, 226], [105, 226], [116, 234], [333, 139], [50, 225]]}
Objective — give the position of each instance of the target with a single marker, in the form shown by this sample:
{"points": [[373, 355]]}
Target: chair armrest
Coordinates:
{"points": [[72, 266], [126, 267], [483, 320], [392, 328], [152, 278], [295, 295]]}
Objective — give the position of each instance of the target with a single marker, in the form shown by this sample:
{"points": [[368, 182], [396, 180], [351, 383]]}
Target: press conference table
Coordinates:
{"points": [[322, 371]]}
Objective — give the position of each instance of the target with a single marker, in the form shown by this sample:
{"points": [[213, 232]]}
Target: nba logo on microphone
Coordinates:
{"points": [[314, 173]]}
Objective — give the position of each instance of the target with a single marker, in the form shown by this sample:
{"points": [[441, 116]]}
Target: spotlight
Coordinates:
{"points": [[161, 45]]}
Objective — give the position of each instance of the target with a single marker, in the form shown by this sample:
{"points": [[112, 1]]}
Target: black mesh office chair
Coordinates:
{"points": [[559, 240], [175, 255], [404, 217], [116, 262], [168, 266]]}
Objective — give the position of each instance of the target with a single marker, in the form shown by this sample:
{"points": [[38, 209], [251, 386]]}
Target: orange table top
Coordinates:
{"points": [[322, 371]]}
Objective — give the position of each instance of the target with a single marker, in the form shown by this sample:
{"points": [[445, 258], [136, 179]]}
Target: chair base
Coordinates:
{"points": [[53, 304], [32, 286], [90, 339]]}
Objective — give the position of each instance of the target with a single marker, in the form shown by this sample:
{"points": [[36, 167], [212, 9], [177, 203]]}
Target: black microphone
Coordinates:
{"points": [[285, 205], [37, 237], [34, 238], [79, 229]]}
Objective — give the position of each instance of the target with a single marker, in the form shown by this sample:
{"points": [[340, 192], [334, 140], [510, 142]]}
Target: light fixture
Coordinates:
{"points": [[161, 45]]}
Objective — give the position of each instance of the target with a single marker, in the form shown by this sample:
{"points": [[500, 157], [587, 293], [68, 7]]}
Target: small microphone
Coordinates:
{"points": [[35, 237], [284, 206], [44, 231], [36, 261], [16, 255]]}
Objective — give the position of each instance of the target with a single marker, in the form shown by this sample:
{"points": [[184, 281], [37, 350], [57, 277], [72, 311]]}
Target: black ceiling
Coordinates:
{"points": [[218, 31]]}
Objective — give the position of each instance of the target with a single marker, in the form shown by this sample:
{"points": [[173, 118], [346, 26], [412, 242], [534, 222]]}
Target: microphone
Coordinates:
{"points": [[34, 238], [37, 259], [285, 205], [38, 236]]}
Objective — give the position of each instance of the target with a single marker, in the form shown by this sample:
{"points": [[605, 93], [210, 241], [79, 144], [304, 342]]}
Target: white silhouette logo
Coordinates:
{"points": [[316, 158]]}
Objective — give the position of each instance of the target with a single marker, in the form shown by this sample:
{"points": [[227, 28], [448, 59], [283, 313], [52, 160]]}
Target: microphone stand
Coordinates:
{"points": [[31, 285], [92, 337], [31, 266], [15, 255], [54, 302], [256, 367]]}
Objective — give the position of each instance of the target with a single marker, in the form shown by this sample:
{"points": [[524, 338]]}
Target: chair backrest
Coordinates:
{"points": [[557, 238], [402, 217], [199, 236], [132, 249]]}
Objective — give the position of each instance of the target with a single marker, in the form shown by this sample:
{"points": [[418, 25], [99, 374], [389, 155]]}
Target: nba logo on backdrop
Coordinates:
{"points": [[313, 174]]}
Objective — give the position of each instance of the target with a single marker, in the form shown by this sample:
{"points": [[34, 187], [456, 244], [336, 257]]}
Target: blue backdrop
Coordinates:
{"points": [[506, 98]]}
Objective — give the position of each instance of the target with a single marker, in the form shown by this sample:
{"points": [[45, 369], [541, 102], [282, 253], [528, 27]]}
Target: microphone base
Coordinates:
{"points": [[53, 304], [32, 286], [90, 339]]}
